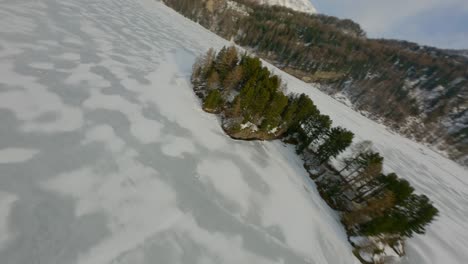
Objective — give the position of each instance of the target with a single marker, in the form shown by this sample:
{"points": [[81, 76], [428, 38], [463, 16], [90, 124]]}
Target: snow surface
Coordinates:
{"points": [[108, 157], [13, 155], [297, 5]]}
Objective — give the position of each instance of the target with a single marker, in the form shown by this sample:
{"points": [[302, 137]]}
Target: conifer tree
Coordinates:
{"points": [[410, 214], [213, 101], [273, 111], [337, 140], [313, 129]]}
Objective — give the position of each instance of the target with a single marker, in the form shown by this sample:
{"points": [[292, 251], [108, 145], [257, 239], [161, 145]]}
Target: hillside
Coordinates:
{"points": [[425, 89], [106, 156]]}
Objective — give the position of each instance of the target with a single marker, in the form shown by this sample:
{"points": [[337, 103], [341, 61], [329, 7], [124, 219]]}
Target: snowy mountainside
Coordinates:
{"points": [[298, 5], [107, 157]]}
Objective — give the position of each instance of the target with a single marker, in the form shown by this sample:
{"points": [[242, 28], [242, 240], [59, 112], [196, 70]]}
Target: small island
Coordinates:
{"points": [[377, 210]]}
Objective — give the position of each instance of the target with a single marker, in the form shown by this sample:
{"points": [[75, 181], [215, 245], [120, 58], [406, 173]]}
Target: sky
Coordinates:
{"points": [[440, 23]]}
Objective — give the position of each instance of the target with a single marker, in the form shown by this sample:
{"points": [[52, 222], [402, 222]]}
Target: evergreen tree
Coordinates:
{"points": [[338, 139], [273, 111], [288, 114], [213, 101], [246, 96], [367, 166], [313, 129], [410, 214], [251, 67], [226, 60], [305, 108], [261, 98]]}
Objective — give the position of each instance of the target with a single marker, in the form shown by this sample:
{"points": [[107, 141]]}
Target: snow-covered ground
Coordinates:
{"points": [[298, 5], [106, 156]]}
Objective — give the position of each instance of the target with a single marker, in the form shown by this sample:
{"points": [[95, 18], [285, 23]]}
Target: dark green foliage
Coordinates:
{"points": [[289, 113], [312, 129], [410, 214], [213, 101], [261, 100], [337, 140], [274, 110], [305, 108], [251, 67], [299, 109], [401, 188]]}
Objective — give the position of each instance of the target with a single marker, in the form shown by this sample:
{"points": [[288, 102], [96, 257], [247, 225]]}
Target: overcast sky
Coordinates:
{"points": [[440, 23]]}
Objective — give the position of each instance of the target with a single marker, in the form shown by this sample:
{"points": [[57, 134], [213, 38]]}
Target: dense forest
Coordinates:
{"points": [[252, 104], [425, 89]]}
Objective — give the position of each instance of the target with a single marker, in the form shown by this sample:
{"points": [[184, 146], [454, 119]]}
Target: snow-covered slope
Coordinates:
{"points": [[106, 156], [298, 5]]}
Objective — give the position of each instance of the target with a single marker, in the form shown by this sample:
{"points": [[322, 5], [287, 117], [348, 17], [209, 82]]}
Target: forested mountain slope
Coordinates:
{"points": [[421, 92]]}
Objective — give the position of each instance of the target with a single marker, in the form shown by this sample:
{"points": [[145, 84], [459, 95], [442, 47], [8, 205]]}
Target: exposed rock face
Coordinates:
{"points": [[251, 134]]}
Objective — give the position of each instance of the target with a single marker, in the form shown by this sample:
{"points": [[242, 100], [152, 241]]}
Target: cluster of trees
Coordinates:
{"points": [[247, 92], [244, 92], [316, 134], [384, 204], [336, 52], [408, 213]]}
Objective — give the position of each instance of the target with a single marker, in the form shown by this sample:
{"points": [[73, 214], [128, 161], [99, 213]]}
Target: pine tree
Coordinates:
{"points": [[338, 139], [410, 214], [261, 98], [247, 94], [273, 111], [315, 127], [213, 101], [305, 109]]}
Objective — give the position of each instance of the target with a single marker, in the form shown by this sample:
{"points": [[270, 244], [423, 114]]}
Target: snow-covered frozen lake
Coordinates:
{"points": [[106, 156]]}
